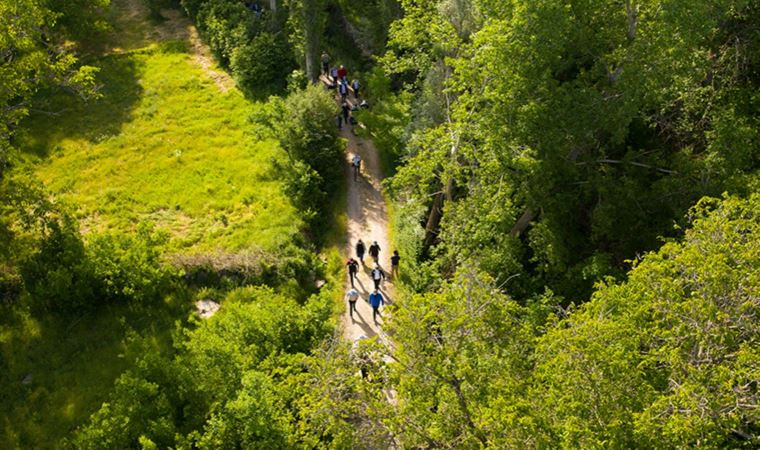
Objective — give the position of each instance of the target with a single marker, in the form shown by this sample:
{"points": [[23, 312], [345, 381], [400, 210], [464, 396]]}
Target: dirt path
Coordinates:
{"points": [[368, 220]]}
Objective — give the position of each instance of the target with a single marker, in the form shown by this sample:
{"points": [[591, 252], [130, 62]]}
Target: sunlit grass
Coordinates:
{"points": [[167, 146]]}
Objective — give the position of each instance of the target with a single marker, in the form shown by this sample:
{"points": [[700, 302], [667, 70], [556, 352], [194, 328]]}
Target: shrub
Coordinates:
{"points": [[259, 67], [129, 267]]}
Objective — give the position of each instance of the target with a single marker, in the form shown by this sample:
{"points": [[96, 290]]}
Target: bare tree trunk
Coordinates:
{"points": [[434, 220], [313, 17], [523, 222]]}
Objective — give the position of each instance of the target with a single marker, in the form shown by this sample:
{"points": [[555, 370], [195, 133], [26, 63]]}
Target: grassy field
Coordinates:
{"points": [[166, 144]]}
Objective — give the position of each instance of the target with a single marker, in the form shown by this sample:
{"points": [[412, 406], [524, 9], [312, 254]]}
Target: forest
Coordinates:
{"points": [[572, 187]]}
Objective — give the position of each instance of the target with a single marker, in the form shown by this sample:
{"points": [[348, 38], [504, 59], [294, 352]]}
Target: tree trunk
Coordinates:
{"points": [[434, 220], [313, 23], [523, 222]]}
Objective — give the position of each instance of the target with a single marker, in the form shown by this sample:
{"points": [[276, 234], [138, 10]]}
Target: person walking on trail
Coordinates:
{"points": [[346, 110], [342, 73], [325, 63], [352, 296], [360, 245], [343, 91], [374, 252], [375, 301], [355, 86], [377, 276], [356, 164], [395, 259], [334, 74], [353, 269]]}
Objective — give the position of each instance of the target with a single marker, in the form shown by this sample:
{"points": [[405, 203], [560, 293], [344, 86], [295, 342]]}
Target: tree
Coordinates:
{"points": [[34, 57], [307, 23], [670, 357]]}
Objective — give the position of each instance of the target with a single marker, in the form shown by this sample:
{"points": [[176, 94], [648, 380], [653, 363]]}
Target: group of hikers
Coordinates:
{"points": [[338, 79], [375, 299]]}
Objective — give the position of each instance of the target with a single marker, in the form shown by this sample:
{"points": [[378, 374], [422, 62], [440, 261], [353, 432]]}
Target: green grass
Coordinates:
{"points": [[165, 145]]}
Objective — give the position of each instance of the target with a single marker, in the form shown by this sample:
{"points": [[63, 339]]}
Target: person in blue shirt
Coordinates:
{"points": [[375, 300]]}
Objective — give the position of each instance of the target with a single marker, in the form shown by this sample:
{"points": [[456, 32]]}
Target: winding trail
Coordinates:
{"points": [[367, 220]]}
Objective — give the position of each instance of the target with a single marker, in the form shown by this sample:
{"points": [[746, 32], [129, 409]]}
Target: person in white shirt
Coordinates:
{"points": [[377, 276], [352, 296]]}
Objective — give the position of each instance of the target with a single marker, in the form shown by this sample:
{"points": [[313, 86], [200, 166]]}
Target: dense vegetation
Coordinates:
{"points": [[575, 198]]}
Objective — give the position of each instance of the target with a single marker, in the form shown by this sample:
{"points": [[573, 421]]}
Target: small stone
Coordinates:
{"points": [[27, 379], [206, 308]]}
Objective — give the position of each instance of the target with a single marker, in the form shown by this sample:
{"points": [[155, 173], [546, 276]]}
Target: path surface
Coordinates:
{"points": [[368, 220]]}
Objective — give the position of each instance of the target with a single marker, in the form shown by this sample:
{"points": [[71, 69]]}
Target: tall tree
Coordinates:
{"points": [[307, 23]]}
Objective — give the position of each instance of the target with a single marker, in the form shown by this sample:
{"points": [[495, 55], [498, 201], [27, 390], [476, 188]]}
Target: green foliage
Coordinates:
{"points": [[305, 126], [306, 23], [371, 20], [256, 52], [233, 382], [35, 58], [260, 66], [596, 124], [668, 357], [138, 408], [130, 268]]}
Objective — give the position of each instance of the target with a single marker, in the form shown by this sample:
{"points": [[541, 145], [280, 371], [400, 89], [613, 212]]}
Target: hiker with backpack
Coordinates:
{"points": [[374, 252], [377, 276], [360, 246], [343, 91], [352, 296], [375, 301], [353, 269]]}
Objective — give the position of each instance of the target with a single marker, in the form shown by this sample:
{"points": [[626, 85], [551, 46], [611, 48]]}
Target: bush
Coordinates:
{"points": [[305, 126], [259, 67], [129, 268]]}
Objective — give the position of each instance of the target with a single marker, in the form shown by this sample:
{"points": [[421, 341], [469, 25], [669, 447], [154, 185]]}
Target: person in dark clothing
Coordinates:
{"points": [[355, 86], [377, 276], [346, 112], [353, 268], [395, 259], [343, 90], [360, 250], [375, 300], [374, 252], [325, 63]]}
